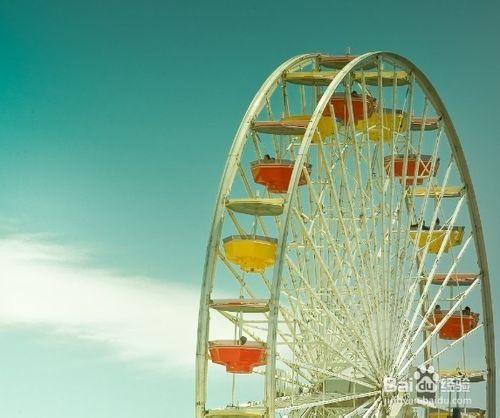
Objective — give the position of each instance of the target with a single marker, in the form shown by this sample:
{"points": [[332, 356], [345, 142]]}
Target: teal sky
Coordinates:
{"points": [[115, 121]]}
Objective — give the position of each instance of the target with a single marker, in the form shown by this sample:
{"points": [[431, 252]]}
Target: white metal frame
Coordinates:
{"points": [[290, 212]]}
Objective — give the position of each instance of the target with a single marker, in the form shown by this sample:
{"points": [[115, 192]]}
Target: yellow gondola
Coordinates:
{"points": [[437, 238], [388, 78], [439, 414], [437, 191], [240, 305], [252, 253], [325, 125], [311, 78], [391, 124]]}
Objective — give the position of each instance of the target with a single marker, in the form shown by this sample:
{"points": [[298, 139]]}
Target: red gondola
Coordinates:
{"points": [[238, 358], [414, 175], [340, 107], [275, 175], [456, 325]]}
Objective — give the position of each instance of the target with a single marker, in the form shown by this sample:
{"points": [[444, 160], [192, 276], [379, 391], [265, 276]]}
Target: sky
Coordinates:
{"points": [[115, 121]]}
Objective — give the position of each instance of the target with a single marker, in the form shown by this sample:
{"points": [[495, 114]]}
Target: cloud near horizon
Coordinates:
{"points": [[48, 286]]}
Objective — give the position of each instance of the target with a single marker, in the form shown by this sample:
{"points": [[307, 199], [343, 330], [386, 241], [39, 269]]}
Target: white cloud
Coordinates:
{"points": [[49, 286]]}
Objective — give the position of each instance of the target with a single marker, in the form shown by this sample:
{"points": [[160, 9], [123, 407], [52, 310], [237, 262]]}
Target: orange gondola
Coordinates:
{"points": [[456, 325], [414, 175], [238, 358], [275, 174], [340, 107]]}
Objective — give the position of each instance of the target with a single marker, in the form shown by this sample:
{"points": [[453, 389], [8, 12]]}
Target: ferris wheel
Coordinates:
{"points": [[346, 263]]}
